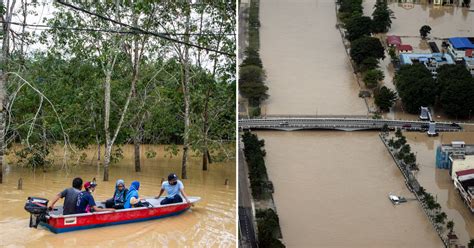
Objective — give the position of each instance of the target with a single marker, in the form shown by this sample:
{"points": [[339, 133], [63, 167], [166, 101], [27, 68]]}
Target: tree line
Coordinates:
{"points": [[451, 89], [141, 72], [366, 51], [251, 74]]}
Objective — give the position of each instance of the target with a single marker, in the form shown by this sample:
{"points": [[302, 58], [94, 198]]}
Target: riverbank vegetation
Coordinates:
{"points": [[251, 74], [139, 76], [365, 50], [268, 225], [267, 220]]}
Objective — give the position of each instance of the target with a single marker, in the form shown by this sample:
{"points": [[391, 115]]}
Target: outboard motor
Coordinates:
{"points": [[38, 209]]}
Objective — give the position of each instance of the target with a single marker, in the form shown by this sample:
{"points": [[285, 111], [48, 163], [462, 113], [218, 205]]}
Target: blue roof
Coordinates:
{"points": [[461, 43]]}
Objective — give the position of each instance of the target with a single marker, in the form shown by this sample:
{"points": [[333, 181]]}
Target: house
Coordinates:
{"points": [[432, 61], [393, 41], [405, 48], [457, 47]]}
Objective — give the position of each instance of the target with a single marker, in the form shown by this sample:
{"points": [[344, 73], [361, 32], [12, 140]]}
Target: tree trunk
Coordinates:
{"points": [[205, 128], [6, 18], [136, 144], [108, 143], [187, 101]]}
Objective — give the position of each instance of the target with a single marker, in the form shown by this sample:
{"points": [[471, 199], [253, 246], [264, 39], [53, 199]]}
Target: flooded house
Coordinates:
{"points": [[457, 47], [432, 61]]}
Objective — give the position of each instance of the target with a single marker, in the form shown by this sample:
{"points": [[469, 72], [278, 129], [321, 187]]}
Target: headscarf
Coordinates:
{"points": [[132, 192], [119, 195]]}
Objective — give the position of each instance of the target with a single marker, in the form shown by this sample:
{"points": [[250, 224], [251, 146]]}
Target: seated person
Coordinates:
{"points": [[85, 200], [175, 189], [118, 200], [132, 199], [70, 197]]}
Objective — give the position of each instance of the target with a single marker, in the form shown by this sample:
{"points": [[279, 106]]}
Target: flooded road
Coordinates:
{"points": [[331, 190], [211, 223], [308, 71], [439, 183]]}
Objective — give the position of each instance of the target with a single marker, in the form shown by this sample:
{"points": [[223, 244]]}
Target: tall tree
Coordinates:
{"points": [[416, 87], [366, 47], [382, 17], [358, 26]]}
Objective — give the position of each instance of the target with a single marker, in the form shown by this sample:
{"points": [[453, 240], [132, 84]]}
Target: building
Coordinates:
{"points": [[405, 48], [432, 61], [457, 47], [393, 41], [469, 61]]}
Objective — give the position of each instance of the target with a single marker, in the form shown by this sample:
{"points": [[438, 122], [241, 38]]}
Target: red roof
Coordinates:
{"points": [[465, 172], [405, 47], [394, 40], [469, 53]]}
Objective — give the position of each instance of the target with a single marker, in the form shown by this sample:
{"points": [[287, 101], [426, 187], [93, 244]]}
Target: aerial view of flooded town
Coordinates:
{"points": [[355, 123]]}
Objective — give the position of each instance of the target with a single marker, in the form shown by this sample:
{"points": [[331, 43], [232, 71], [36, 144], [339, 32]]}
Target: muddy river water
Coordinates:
{"points": [[331, 187], [211, 223]]}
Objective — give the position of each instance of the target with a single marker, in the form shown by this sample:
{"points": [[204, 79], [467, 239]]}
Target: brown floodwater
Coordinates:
{"points": [[439, 183], [210, 223], [331, 190], [308, 71]]}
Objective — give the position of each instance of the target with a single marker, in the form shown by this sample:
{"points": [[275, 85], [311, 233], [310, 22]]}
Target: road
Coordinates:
{"points": [[340, 123], [246, 223]]}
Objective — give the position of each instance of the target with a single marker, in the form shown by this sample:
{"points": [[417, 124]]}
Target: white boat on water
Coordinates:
{"points": [[396, 199]]}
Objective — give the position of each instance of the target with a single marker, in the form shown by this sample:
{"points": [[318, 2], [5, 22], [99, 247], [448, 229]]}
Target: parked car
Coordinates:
{"points": [[284, 123], [455, 124], [406, 125]]}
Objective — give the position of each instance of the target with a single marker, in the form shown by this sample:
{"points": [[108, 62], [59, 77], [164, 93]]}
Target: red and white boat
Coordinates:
{"points": [[58, 223]]}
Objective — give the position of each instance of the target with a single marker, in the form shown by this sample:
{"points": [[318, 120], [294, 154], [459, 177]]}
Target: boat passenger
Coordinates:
{"points": [[132, 199], [70, 197], [174, 189], [85, 200], [118, 200]]}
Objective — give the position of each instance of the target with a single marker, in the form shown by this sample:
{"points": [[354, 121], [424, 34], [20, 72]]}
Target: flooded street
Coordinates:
{"points": [[211, 223], [308, 71], [439, 183], [331, 190]]}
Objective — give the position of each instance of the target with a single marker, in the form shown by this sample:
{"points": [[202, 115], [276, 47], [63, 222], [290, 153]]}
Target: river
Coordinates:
{"points": [[331, 188], [211, 223]]}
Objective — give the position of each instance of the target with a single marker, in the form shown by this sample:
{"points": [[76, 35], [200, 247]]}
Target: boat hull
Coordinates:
{"points": [[68, 223]]}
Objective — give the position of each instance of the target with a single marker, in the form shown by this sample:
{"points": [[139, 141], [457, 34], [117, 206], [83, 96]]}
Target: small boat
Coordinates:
{"points": [[396, 199], [58, 223]]}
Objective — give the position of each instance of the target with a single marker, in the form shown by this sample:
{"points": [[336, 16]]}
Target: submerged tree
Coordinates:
{"points": [[425, 30], [385, 98]]}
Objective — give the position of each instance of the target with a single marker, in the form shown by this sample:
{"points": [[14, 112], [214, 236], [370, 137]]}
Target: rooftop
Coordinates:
{"points": [[405, 47], [394, 40], [461, 43]]}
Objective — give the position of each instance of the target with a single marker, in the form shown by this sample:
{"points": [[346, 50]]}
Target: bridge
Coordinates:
{"points": [[343, 123]]}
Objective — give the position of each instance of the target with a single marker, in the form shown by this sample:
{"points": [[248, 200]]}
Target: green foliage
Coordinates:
{"points": [[350, 6], [382, 17], [425, 30], [268, 226], [385, 98], [252, 57], [373, 77], [251, 84], [369, 63], [366, 47], [254, 154], [450, 226], [416, 87], [358, 26], [440, 218], [35, 156], [471, 244], [455, 87], [150, 154]]}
